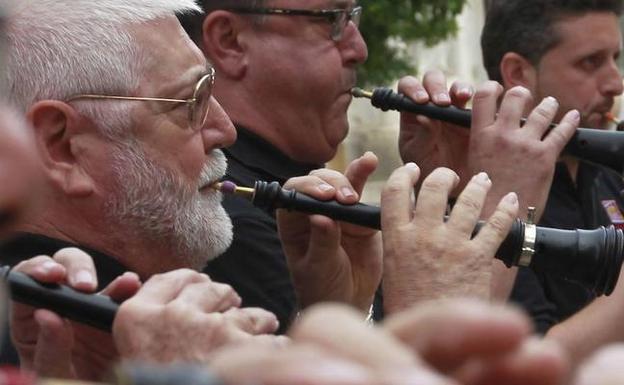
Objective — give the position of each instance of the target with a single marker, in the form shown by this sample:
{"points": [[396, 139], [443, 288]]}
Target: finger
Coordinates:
{"points": [[348, 336], [123, 287], [513, 106], [539, 120], [345, 192], [448, 333], [602, 368], [412, 88], [209, 297], [43, 269], [324, 241], [537, 362], [396, 197], [81, 273], [360, 169], [498, 225], [435, 84], [559, 136], [461, 93], [163, 288], [467, 209], [485, 105], [433, 195], [313, 186], [253, 363], [254, 321], [53, 351]]}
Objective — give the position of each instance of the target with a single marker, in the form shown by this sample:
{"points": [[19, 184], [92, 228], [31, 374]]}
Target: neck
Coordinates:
{"points": [[141, 256]]}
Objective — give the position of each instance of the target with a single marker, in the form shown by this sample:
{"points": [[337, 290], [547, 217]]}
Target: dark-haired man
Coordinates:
{"points": [[285, 71], [567, 50]]}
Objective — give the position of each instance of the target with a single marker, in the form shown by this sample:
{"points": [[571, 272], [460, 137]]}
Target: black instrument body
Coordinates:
{"points": [[591, 257], [94, 310], [596, 146]]}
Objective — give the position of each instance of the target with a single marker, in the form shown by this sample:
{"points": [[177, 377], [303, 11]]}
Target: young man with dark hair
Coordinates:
{"points": [[566, 50]]}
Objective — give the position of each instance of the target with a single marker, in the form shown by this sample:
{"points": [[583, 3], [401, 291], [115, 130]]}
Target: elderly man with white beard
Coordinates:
{"points": [[120, 104], [126, 170]]}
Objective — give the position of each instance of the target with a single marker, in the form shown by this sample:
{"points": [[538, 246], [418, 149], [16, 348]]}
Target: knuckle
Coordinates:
{"points": [[470, 202], [393, 187], [543, 114], [500, 223], [519, 92], [486, 90]]}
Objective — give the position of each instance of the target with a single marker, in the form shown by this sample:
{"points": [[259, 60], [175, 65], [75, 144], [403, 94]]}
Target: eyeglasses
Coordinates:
{"points": [[198, 105], [338, 18]]}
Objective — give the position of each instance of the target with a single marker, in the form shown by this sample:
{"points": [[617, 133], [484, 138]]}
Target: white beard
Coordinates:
{"points": [[159, 206]]}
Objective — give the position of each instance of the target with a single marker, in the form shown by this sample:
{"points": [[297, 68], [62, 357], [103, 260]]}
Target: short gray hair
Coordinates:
{"points": [[59, 48]]}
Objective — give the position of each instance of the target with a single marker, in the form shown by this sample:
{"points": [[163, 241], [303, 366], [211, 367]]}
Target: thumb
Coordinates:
{"points": [[324, 240], [55, 341]]}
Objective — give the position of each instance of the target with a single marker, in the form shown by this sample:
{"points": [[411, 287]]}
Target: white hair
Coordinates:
{"points": [[60, 48]]}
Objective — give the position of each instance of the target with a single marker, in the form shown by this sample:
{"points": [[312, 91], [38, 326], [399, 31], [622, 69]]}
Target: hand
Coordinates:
{"points": [[478, 344], [332, 261], [602, 368], [517, 158], [432, 143], [337, 352], [426, 257], [54, 347], [184, 316]]}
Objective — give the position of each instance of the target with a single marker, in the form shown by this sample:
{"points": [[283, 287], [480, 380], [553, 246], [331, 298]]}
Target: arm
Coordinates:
{"points": [[596, 325]]}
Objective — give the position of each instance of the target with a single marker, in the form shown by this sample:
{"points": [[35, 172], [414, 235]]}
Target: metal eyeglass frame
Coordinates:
{"points": [[204, 85]]}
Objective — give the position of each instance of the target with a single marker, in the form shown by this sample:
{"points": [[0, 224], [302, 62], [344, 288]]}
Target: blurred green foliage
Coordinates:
{"points": [[385, 21]]}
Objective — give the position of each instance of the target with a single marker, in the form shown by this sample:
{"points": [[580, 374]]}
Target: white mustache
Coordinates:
{"points": [[213, 170]]}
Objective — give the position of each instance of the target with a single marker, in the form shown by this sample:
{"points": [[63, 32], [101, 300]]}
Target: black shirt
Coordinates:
{"points": [[596, 200], [25, 246], [255, 265]]}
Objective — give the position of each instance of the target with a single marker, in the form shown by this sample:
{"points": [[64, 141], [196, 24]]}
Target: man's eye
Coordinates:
{"points": [[591, 62]]}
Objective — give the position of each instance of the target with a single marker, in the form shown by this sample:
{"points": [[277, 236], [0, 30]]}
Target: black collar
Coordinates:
{"points": [[27, 245], [265, 159]]}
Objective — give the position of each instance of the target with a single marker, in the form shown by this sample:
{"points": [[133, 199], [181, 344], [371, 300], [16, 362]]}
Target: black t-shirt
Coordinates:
{"points": [[255, 265], [25, 246], [596, 200]]}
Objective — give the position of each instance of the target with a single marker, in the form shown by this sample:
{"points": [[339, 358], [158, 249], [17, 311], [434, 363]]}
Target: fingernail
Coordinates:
{"points": [[411, 166], [551, 100], [83, 277], [466, 91], [347, 192], [483, 177], [48, 266], [575, 115], [325, 187], [511, 198], [422, 95], [443, 98]]}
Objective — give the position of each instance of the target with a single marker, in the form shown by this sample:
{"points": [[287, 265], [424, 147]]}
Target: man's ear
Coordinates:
{"points": [[58, 128], [517, 70], [223, 43]]}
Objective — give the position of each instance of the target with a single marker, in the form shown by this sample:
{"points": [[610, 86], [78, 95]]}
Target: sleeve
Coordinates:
{"points": [[529, 294]]}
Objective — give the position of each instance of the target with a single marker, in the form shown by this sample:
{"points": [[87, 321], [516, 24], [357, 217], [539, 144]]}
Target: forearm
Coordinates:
{"points": [[596, 325]]}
